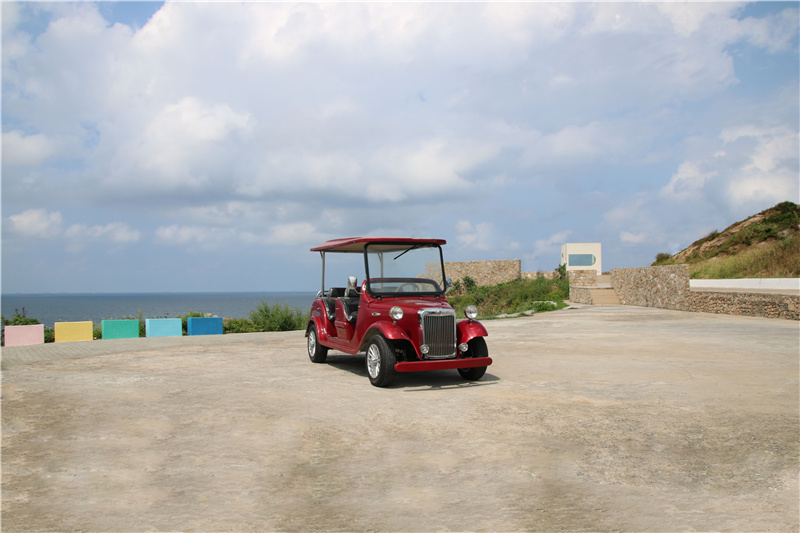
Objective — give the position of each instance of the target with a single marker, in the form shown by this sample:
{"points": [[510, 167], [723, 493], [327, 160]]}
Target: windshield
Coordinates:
{"points": [[405, 270]]}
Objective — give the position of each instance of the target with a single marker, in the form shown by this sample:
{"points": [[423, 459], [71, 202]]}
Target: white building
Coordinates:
{"points": [[582, 256]]}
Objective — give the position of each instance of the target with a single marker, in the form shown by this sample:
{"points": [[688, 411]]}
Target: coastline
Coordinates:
{"points": [[49, 308]]}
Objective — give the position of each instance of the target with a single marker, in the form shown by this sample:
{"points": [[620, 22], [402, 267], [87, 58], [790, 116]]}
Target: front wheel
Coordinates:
{"points": [[380, 362], [477, 348], [316, 352]]}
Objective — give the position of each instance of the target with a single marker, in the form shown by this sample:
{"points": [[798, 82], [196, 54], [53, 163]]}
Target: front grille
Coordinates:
{"points": [[439, 332]]}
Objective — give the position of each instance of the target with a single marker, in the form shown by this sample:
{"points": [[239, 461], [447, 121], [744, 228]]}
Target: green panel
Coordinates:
{"points": [[120, 329]]}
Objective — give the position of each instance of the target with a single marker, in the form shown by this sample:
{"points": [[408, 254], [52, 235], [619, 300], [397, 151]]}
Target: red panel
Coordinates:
{"points": [[447, 364]]}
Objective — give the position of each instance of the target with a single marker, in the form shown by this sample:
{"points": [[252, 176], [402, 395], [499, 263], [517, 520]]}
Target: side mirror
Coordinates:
{"points": [[351, 282], [448, 283]]}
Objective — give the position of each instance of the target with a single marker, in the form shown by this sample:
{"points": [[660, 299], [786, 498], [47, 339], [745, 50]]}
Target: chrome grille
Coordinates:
{"points": [[439, 332]]}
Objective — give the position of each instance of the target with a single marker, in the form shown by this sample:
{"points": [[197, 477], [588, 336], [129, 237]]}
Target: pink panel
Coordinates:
{"points": [[24, 335]]}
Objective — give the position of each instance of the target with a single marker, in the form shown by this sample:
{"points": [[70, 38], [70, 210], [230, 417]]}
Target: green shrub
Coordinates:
{"points": [[238, 325], [456, 287], [662, 259], [469, 284], [513, 297], [278, 317], [561, 271]]}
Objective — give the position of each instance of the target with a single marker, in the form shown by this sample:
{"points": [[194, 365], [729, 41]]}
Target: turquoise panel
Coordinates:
{"points": [[204, 325], [120, 329], [164, 327]]}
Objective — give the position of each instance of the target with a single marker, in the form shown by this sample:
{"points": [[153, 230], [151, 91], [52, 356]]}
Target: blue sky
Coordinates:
{"points": [[207, 146]]}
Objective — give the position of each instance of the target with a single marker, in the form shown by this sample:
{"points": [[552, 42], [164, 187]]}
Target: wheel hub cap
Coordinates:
{"points": [[373, 361]]}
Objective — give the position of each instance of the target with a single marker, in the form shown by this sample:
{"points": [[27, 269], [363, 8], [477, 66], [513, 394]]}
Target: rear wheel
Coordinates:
{"points": [[316, 352], [380, 362], [477, 348]]}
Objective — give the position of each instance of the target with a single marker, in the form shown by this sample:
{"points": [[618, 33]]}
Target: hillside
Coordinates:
{"points": [[766, 245]]}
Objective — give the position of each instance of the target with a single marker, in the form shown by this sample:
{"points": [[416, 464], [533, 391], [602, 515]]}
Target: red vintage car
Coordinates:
{"points": [[398, 315]]}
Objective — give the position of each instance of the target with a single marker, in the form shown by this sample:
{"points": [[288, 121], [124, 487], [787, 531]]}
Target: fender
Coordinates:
{"points": [[469, 329], [319, 322], [388, 330]]}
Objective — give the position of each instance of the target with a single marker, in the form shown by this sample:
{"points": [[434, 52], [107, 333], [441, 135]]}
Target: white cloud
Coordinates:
{"points": [[774, 32], [27, 150], [290, 234], [752, 168], [688, 21], [80, 236], [632, 238], [37, 223], [687, 183], [183, 142], [205, 237], [551, 246], [231, 124], [481, 236], [114, 232]]}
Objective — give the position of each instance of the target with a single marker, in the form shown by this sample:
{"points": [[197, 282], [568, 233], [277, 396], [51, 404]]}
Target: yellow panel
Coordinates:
{"points": [[74, 331]]}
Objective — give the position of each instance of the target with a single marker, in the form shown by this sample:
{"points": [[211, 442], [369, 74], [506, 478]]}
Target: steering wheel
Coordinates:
{"points": [[414, 285]]}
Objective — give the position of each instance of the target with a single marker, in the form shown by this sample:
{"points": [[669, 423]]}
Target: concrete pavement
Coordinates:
{"points": [[591, 418]]}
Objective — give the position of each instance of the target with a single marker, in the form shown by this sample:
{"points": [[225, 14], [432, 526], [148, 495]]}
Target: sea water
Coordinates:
{"points": [[51, 308]]}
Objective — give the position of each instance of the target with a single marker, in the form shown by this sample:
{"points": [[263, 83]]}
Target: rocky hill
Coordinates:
{"points": [[765, 245]]}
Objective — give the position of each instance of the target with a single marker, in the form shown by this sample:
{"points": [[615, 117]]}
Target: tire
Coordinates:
{"points": [[316, 352], [380, 361], [477, 348]]}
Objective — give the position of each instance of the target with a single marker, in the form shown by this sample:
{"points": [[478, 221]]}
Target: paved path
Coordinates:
{"points": [[591, 419], [15, 355]]}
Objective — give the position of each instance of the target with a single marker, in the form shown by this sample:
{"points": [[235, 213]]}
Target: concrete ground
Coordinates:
{"points": [[592, 418]]}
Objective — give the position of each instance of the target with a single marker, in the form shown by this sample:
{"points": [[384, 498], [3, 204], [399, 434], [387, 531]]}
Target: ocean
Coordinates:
{"points": [[51, 308]]}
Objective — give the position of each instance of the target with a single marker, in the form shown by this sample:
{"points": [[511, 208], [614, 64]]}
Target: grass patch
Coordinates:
{"points": [[777, 259], [512, 297], [769, 247]]}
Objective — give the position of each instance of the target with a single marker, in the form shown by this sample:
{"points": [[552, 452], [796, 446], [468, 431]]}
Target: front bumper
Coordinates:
{"points": [[446, 364]]}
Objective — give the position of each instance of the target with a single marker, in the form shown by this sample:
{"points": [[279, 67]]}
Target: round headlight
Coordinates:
{"points": [[471, 311], [396, 312]]}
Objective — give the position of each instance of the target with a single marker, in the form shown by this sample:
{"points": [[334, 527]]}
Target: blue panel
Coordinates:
{"points": [[163, 327], [204, 326], [582, 260]]}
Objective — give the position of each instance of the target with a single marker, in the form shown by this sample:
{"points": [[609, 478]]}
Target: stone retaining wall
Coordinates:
{"points": [[582, 278], [581, 295], [485, 272], [665, 287], [747, 304]]}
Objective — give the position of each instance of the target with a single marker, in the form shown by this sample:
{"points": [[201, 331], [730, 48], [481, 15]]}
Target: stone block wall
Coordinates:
{"points": [[665, 287], [485, 272], [581, 295], [546, 274], [747, 304], [582, 278]]}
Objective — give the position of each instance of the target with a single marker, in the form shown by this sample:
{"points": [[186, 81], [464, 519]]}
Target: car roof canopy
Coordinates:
{"points": [[356, 244]]}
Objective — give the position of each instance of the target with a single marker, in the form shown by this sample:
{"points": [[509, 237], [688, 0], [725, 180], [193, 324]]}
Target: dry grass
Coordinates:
{"points": [[771, 259], [766, 245]]}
